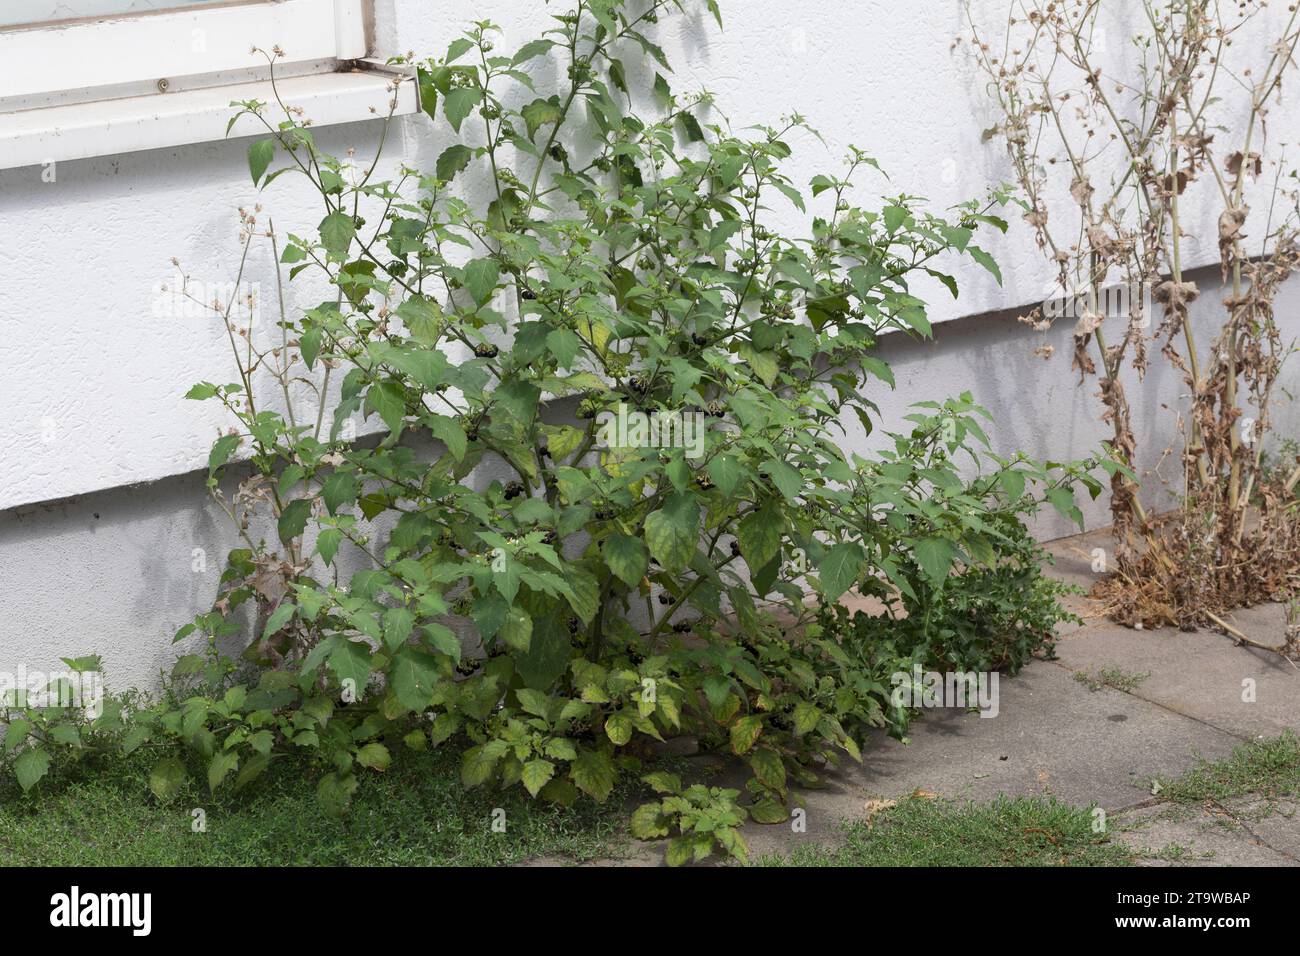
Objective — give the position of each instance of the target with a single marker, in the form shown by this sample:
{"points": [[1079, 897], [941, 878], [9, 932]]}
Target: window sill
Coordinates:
{"points": [[108, 127]]}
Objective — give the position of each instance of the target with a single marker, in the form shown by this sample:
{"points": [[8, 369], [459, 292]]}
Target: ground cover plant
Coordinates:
{"points": [[517, 564]]}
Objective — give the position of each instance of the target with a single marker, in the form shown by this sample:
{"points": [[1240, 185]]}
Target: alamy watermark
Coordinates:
{"points": [[75, 908], [629, 427], [186, 298], [1129, 300], [68, 689], [962, 689]]}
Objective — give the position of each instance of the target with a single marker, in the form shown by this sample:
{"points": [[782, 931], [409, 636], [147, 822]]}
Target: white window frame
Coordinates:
{"points": [[125, 82]]}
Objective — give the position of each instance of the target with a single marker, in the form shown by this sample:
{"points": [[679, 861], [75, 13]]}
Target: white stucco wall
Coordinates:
{"points": [[100, 513]]}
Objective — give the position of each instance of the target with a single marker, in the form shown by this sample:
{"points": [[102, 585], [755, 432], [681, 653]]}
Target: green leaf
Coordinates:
{"points": [[459, 103], [293, 519], [517, 631], [428, 91], [618, 728], [691, 126], [583, 594], [680, 851], [840, 567], [481, 277], [935, 557], [786, 477], [564, 345], [536, 774], [458, 48], [279, 618], [444, 640], [759, 535], [327, 544], [768, 811], [66, 734], [16, 733], [350, 661], [166, 778], [672, 532], [626, 557], [450, 433], [726, 472], [444, 725], [388, 399], [476, 766], [260, 154], [661, 781], [338, 489], [539, 113], [531, 49], [663, 92], [220, 766], [222, 449], [1062, 500], [649, 822], [375, 756], [32, 764], [894, 217], [986, 260], [1013, 483], [399, 622], [806, 717], [336, 233], [452, 160], [768, 768], [414, 676], [744, 732], [593, 774], [251, 770]]}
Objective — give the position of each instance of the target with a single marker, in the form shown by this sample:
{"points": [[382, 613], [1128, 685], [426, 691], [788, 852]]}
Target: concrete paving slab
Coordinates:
{"points": [[1274, 821], [1195, 836], [1205, 676]]}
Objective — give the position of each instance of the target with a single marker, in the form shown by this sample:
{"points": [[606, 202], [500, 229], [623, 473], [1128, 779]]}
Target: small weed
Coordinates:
{"points": [[1111, 677]]}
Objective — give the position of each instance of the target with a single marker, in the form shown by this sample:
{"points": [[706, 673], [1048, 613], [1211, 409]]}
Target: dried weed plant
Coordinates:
{"points": [[1132, 134]]}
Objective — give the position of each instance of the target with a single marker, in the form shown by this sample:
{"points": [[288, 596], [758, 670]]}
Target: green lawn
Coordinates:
{"points": [[415, 814]]}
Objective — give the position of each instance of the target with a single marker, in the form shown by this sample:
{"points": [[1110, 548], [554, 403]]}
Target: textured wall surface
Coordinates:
{"points": [[100, 511]]}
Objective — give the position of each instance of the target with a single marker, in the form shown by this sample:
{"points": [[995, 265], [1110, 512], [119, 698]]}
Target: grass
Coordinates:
{"points": [[1270, 768], [1025, 831], [415, 814]]}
